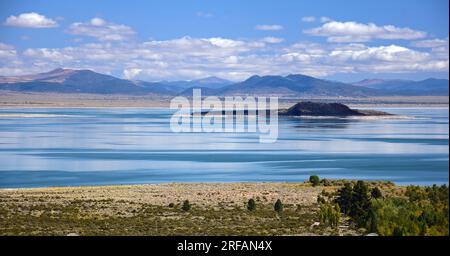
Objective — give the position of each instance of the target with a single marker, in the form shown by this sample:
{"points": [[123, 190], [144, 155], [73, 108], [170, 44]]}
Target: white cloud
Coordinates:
{"points": [[388, 59], [131, 73], [391, 53], [358, 32], [309, 19], [30, 20], [431, 43], [102, 30], [97, 22], [215, 47], [54, 55], [272, 40], [325, 19], [7, 51], [269, 27]]}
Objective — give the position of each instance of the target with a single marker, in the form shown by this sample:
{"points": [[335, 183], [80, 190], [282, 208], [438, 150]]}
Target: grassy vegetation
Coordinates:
{"points": [[342, 208], [85, 217], [424, 211]]}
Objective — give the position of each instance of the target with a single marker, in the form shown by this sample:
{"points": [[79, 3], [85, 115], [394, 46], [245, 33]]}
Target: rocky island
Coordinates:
{"points": [[327, 109], [312, 109]]}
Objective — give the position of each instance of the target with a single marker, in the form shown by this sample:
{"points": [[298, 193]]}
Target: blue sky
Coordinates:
{"points": [[168, 40]]}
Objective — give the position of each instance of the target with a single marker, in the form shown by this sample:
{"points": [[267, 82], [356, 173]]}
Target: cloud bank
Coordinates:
{"points": [[30, 20], [350, 31], [101, 30], [235, 59], [189, 58]]}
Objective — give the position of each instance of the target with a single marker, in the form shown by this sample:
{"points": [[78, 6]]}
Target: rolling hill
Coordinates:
{"points": [[78, 81], [295, 85]]}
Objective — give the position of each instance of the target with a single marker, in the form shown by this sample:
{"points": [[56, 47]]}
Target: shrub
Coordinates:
{"points": [[376, 193], [314, 180], [171, 205], [251, 205], [325, 182], [330, 215], [278, 207], [186, 206]]}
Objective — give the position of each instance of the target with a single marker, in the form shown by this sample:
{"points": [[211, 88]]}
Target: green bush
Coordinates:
{"points": [[251, 205], [330, 215], [278, 207], [314, 180], [424, 211], [186, 206]]}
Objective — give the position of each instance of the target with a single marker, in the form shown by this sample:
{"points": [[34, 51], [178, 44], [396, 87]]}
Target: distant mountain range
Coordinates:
{"points": [[87, 81], [429, 87], [295, 85], [211, 82]]}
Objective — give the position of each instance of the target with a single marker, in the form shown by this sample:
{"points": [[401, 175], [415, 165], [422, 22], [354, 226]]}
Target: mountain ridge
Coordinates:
{"points": [[87, 81], [429, 86]]}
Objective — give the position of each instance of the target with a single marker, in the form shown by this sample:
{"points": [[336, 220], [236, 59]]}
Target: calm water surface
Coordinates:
{"points": [[62, 147]]}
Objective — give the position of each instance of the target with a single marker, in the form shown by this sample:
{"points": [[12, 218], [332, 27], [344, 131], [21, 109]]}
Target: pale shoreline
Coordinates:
{"points": [[187, 184], [201, 193], [10, 99]]}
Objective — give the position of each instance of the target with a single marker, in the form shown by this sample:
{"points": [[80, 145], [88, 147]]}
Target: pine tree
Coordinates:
{"points": [[360, 205], [344, 198]]}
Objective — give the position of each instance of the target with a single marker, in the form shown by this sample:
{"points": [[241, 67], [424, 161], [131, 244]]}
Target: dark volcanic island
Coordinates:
{"points": [[310, 109], [327, 109]]}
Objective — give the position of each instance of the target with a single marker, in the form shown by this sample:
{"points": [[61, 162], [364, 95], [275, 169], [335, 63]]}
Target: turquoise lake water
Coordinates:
{"points": [[65, 147]]}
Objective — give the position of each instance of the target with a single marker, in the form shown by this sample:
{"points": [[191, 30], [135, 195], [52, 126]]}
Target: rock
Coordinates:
{"points": [[315, 224]]}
